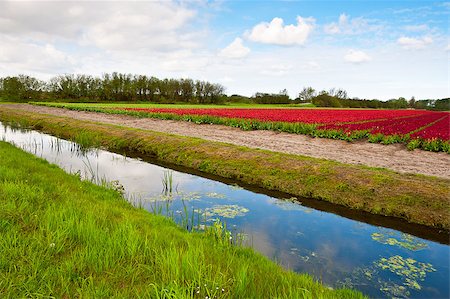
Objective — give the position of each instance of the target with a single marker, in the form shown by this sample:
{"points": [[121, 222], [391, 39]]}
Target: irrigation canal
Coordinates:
{"points": [[339, 251]]}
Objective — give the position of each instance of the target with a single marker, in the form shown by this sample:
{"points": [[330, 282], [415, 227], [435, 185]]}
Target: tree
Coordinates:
{"points": [[307, 94], [22, 88], [326, 100], [442, 104], [187, 90], [338, 93], [412, 103], [271, 98]]}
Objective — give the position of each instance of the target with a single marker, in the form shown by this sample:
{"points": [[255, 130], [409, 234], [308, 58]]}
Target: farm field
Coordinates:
{"points": [[418, 199], [395, 157], [376, 190], [180, 105], [427, 130]]}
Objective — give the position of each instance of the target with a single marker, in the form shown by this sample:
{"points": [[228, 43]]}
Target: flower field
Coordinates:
{"points": [[308, 116], [428, 130]]}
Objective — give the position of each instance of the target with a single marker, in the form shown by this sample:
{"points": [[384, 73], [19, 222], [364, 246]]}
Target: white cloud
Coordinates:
{"points": [[184, 61], [357, 56], [276, 33], [111, 26], [23, 57], [313, 65], [335, 28], [417, 28], [448, 47], [235, 50], [411, 43], [226, 79], [277, 70], [346, 25]]}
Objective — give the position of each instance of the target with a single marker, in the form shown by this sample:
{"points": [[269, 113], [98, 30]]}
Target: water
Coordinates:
{"points": [[378, 261]]}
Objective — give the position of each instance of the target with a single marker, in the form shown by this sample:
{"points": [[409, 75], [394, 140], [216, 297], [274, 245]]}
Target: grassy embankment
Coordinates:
{"points": [[416, 198], [245, 124], [60, 236]]}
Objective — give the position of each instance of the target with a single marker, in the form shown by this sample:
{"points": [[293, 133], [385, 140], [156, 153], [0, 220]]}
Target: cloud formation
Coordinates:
{"points": [[411, 43], [235, 50], [417, 28], [350, 26], [277, 70], [22, 57], [117, 26], [357, 57], [277, 33]]}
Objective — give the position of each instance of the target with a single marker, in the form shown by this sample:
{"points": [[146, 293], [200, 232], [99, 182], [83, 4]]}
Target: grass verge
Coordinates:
{"points": [[416, 198], [63, 237]]}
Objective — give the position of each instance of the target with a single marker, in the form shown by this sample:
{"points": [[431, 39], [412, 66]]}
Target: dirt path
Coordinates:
{"points": [[394, 157]]}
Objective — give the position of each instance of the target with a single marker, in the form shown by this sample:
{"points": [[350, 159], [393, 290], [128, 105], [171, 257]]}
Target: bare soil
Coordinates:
{"points": [[395, 157]]}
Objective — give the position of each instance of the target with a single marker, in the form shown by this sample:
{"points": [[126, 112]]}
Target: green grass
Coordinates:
{"points": [[415, 198], [63, 237], [180, 105], [245, 124]]}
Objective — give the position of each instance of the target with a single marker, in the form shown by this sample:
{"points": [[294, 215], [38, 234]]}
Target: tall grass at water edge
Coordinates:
{"points": [[62, 237]]}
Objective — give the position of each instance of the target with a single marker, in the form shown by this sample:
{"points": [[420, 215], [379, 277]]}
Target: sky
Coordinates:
{"points": [[372, 49]]}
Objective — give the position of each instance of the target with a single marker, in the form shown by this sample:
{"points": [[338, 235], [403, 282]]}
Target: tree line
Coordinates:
{"points": [[127, 87], [110, 87], [338, 98]]}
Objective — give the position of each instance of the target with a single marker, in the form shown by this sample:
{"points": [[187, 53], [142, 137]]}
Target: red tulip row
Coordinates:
{"points": [[439, 130], [385, 122], [309, 116], [396, 126]]}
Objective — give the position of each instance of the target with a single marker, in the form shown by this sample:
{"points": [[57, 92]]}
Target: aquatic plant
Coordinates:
{"points": [[292, 204], [179, 195], [408, 269], [167, 181], [236, 187], [405, 241], [215, 195], [227, 211], [408, 274]]}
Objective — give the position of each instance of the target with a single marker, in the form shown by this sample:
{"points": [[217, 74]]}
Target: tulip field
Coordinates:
{"points": [[424, 129], [428, 130], [310, 116]]}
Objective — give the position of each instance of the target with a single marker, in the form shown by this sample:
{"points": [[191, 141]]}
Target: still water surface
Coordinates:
{"points": [[380, 262]]}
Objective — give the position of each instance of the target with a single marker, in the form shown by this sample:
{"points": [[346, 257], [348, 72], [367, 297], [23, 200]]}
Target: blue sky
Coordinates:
{"points": [[373, 49]]}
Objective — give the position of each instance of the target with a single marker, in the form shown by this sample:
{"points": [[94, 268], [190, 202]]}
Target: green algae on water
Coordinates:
{"points": [[226, 211], [405, 241]]}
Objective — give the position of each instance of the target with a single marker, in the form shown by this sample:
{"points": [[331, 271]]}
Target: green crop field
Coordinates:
{"points": [[156, 105]]}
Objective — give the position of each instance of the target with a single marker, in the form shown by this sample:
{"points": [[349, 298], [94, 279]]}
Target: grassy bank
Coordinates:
{"points": [[416, 198], [62, 237], [313, 130]]}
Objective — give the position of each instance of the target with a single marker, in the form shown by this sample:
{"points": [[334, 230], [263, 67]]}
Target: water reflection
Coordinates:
{"points": [[338, 251]]}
